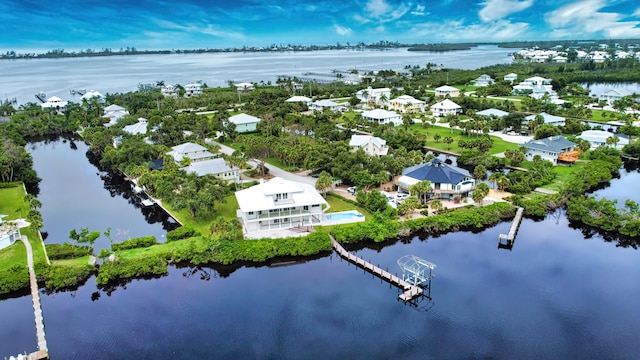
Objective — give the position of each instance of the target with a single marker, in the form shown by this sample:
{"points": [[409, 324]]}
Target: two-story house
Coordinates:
{"points": [[407, 104], [447, 181], [280, 204], [550, 148], [446, 107], [372, 145], [197, 159]]}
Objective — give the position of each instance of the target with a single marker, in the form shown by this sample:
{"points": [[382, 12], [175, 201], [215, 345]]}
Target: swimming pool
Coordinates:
{"points": [[344, 215]]}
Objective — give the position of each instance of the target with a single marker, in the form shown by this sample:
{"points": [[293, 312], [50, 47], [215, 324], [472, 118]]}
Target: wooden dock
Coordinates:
{"points": [[514, 227], [410, 291], [43, 351]]}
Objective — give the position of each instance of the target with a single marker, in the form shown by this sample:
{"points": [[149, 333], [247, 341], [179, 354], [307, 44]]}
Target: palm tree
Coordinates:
{"points": [[420, 190], [493, 178], [324, 182], [448, 140], [480, 192]]}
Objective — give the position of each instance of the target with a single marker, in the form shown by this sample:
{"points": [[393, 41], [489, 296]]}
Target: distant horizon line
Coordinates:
{"points": [[130, 50]]}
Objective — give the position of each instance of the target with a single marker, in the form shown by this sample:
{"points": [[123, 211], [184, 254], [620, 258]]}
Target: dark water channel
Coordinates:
{"points": [[555, 295]]}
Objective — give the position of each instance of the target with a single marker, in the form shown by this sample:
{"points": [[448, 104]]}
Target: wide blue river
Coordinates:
{"points": [[561, 292]]}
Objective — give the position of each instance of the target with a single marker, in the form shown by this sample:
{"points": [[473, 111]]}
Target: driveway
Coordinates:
{"points": [[273, 170]]}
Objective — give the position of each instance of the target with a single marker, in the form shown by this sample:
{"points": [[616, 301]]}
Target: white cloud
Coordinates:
{"points": [[499, 9], [382, 12], [636, 13], [341, 30], [206, 29], [419, 10], [457, 30], [585, 18]]}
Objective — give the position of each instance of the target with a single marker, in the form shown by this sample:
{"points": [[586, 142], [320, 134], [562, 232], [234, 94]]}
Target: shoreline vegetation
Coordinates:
{"points": [[380, 45], [211, 233]]}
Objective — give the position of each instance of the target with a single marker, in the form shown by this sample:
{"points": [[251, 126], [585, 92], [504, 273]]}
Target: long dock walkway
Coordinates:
{"points": [[411, 291], [43, 351], [514, 227]]}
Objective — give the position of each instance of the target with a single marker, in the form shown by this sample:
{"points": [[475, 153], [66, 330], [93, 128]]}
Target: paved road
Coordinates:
{"points": [[273, 170]]}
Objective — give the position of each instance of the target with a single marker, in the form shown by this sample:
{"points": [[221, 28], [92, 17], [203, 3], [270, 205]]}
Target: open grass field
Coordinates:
{"points": [[499, 145], [338, 204], [13, 205]]}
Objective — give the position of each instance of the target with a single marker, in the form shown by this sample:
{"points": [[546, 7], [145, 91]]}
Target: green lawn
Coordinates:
{"points": [[564, 173], [499, 145], [201, 223], [338, 204], [12, 204]]}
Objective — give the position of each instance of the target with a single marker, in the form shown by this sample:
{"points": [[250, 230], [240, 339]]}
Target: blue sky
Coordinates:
{"points": [[184, 24]]}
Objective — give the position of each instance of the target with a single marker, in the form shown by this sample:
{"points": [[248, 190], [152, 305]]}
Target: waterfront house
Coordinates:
{"points": [[547, 118], [378, 96], [407, 104], [447, 90], [383, 117], [512, 77], [612, 95], [244, 122], [279, 204], [193, 89], [138, 128], [372, 145], [484, 80], [527, 86], [244, 86], [446, 107], [447, 181], [9, 232], [55, 103], [492, 113], [114, 113], [169, 91], [92, 94], [551, 148], [321, 105], [195, 158], [599, 138]]}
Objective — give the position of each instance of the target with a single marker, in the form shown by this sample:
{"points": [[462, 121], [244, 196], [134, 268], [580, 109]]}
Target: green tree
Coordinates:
{"points": [[324, 182], [480, 172], [421, 190], [479, 193]]}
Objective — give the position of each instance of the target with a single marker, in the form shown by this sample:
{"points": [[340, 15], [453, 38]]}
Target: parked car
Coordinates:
{"points": [[352, 189], [401, 196], [316, 175]]}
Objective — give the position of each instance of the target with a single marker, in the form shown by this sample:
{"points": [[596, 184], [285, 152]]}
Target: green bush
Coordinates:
{"points": [[134, 243], [125, 269], [13, 279], [67, 251], [183, 232], [59, 277], [466, 218]]}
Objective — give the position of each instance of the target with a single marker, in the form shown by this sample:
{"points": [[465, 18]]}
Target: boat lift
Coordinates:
{"points": [[417, 271]]}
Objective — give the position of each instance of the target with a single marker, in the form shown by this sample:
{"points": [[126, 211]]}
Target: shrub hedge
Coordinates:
{"points": [[67, 251], [183, 232], [134, 243]]}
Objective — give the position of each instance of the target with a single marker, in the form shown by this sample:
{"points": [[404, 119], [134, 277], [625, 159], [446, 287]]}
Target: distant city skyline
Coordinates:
{"points": [[75, 25]]}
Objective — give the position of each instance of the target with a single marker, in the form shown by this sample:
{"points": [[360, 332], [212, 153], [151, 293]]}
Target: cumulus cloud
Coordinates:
{"points": [[457, 30], [585, 17], [382, 12], [341, 30], [419, 10], [499, 9]]}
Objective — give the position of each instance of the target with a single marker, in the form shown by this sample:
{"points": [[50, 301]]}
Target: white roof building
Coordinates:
{"points": [[446, 107], [280, 204], [445, 90], [244, 86], [138, 128], [407, 104], [320, 105], [612, 95], [383, 117], [372, 145], [302, 99], [375, 96], [9, 231], [497, 113], [202, 162], [548, 119], [513, 77], [599, 138], [169, 91], [91, 94], [114, 113], [245, 122], [54, 102]]}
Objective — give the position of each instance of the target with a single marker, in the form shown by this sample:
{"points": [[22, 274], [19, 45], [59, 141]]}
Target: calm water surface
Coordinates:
{"points": [[24, 78], [561, 292]]}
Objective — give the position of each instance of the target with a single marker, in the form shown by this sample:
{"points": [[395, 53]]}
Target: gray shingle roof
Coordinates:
{"points": [[554, 143]]}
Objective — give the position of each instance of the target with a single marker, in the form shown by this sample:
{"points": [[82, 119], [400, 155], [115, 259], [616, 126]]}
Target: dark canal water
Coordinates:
{"points": [[556, 294]]}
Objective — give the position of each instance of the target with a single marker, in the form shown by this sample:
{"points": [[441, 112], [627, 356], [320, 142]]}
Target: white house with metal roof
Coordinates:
{"points": [[548, 119], [445, 90], [280, 204], [300, 99], [202, 162], [484, 80], [612, 95], [548, 148], [446, 107], [138, 128], [92, 94], [496, 113], [378, 96], [407, 104], [321, 105], [9, 232], [169, 91], [372, 145], [114, 113], [599, 138], [245, 122], [55, 103], [512, 77], [193, 89], [382, 117]]}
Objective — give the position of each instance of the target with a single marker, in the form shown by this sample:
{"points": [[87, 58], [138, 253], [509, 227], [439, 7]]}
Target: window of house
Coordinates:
{"points": [[250, 212], [306, 207]]}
